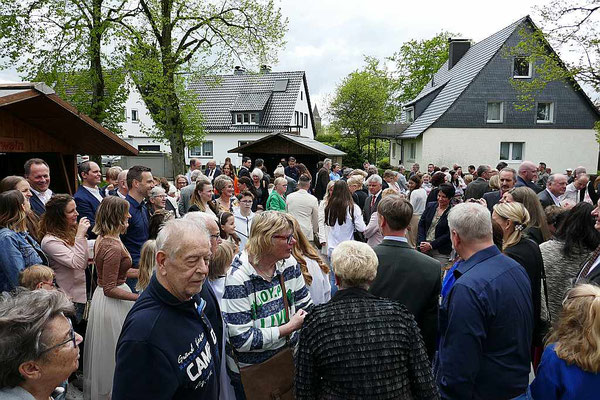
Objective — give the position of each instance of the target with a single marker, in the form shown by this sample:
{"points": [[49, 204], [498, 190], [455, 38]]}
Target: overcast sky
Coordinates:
{"points": [[328, 39]]}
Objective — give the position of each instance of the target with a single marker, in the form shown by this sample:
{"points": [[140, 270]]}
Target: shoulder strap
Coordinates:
{"points": [[285, 299]]}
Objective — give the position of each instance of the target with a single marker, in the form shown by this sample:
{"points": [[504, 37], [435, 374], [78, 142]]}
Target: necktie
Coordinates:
{"points": [[373, 198], [586, 268]]}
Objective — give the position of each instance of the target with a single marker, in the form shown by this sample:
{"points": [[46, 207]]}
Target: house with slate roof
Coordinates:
{"points": [[237, 109], [466, 113]]}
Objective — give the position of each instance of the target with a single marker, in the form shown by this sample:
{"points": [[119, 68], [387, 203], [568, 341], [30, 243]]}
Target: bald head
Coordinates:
{"points": [[122, 182], [528, 171], [557, 184]]}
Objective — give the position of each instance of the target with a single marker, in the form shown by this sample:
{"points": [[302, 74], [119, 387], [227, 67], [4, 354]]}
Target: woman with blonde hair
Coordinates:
{"points": [[570, 367], [224, 187], [258, 320], [314, 270], [111, 300], [538, 227], [276, 200], [513, 219], [147, 265], [201, 199]]}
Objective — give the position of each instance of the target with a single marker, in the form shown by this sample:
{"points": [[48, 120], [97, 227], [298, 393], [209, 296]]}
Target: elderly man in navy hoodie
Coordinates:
{"points": [[167, 348]]}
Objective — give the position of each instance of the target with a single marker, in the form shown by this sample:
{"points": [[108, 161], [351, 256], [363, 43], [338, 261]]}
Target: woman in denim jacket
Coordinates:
{"points": [[18, 249]]}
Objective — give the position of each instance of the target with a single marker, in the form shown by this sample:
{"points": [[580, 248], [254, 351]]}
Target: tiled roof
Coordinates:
{"points": [[305, 142], [221, 94], [457, 79]]}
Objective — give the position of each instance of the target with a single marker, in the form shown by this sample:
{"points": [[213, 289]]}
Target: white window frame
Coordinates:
{"points": [[135, 115], [247, 118], [510, 152], [412, 151], [529, 73], [551, 116], [305, 120], [501, 116], [410, 114], [202, 153]]}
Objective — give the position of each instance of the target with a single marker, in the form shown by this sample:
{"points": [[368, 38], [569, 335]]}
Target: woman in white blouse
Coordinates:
{"points": [[65, 244], [418, 199]]}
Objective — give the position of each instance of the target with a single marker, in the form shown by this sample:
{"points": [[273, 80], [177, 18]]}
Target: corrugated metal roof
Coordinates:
{"points": [[218, 94], [457, 79]]}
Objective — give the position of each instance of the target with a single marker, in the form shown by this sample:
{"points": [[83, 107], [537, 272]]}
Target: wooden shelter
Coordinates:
{"points": [[35, 122], [272, 148]]}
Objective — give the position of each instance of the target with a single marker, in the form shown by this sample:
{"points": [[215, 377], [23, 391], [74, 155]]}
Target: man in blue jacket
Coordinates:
{"points": [[88, 196], [167, 348]]}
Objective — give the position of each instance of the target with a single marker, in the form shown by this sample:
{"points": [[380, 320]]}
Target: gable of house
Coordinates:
{"points": [[458, 96]]}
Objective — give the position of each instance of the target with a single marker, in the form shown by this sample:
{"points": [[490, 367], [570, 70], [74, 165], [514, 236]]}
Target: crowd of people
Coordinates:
{"points": [[245, 283]]}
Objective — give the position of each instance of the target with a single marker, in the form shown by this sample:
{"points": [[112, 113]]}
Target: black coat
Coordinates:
{"points": [[413, 279], [527, 253], [442, 242], [359, 197], [321, 183], [492, 198]]}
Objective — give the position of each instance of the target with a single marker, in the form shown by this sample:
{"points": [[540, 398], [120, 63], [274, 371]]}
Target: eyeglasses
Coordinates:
{"points": [[72, 338], [288, 239], [216, 236]]}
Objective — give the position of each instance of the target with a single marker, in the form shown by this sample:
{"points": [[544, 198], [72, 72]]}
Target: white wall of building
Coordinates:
{"points": [[558, 148], [222, 143], [302, 107]]}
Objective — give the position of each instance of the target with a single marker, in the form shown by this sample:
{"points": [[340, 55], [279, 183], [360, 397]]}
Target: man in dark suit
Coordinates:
{"points": [[480, 186], [527, 175], [37, 174], [590, 272], [404, 274], [88, 196], [245, 168], [555, 187], [212, 171], [374, 184], [291, 170], [508, 177], [121, 190], [322, 179]]}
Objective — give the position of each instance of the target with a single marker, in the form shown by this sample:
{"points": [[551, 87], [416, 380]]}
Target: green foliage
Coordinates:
{"points": [[416, 62], [354, 158], [177, 41], [363, 102]]}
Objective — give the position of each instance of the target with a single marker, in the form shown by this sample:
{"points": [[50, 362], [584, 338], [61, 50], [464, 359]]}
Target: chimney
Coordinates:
{"points": [[238, 70], [456, 50], [265, 69]]}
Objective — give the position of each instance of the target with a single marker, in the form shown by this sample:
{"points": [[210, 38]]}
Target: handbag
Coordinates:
{"points": [[358, 236], [272, 379]]}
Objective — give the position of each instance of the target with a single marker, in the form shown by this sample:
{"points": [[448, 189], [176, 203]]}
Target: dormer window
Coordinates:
{"points": [[246, 118], [521, 68], [410, 114]]}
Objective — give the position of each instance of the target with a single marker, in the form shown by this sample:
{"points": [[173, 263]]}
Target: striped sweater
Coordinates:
{"points": [[253, 309]]}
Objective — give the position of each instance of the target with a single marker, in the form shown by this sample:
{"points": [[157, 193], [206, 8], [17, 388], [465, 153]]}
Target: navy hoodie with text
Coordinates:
{"points": [[167, 350]]}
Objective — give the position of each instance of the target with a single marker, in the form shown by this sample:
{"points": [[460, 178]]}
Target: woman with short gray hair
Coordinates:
{"points": [[338, 355], [39, 349]]}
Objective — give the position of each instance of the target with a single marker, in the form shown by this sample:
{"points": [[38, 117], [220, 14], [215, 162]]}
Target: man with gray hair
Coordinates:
{"points": [[556, 185], [121, 190], [291, 182], [374, 185], [486, 319], [186, 193], [168, 348]]}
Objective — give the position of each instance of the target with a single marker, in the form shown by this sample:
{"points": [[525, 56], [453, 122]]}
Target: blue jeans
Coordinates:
{"points": [[334, 287]]}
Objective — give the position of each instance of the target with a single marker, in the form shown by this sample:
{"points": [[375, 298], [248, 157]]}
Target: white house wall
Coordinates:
{"points": [[302, 107], [558, 148], [222, 143]]}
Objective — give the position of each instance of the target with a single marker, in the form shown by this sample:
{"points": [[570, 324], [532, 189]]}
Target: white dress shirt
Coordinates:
{"points": [[94, 191], [44, 197], [340, 233]]}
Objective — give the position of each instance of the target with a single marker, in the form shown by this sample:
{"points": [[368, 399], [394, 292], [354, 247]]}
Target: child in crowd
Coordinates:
{"points": [[227, 228], [37, 277], [147, 264]]}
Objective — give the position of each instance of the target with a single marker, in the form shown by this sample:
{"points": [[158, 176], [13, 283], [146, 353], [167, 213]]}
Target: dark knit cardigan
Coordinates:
{"points": [[359, 346]]}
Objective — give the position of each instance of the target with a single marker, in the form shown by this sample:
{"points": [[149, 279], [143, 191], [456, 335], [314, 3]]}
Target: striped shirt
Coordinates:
{"points": [[253, 309]]}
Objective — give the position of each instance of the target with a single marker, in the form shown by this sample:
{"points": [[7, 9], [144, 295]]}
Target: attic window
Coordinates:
{"points": [[280, 85], [246, 118], [521, 68]]}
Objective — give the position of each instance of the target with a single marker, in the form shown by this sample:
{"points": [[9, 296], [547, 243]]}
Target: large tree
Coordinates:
{"points": [[175, 41], [64, 44], [415, 63], [363, 102]]}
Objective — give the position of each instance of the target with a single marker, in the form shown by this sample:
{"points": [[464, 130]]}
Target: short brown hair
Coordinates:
{"points": [[12, 213], [396, 211], [111, 216]]}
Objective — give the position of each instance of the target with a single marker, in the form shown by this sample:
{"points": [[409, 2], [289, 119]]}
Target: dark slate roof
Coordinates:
{"points": [[457, 79], [308, 143], [251, 101], [221, 94]]}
